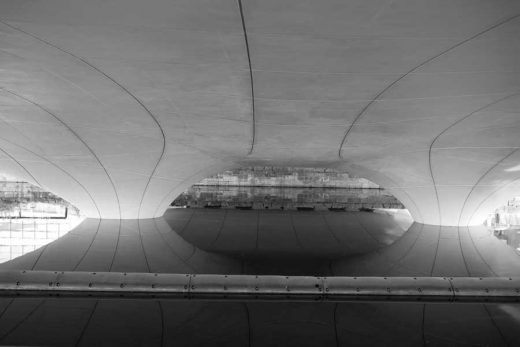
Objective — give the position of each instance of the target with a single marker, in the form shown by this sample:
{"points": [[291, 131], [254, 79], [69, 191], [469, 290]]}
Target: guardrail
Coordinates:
{"points": [[250, 287]]}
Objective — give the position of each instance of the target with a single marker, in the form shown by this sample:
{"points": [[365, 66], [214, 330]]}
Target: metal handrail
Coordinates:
{"points": [[250, 287]]}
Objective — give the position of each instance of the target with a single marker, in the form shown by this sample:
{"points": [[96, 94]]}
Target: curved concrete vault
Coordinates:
{"points": [[118, 106], [275, 243]]}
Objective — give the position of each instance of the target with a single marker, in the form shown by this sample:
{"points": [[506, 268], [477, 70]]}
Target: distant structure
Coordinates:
{"points": [[289, 188], [18, 190], [506, 216], [515, 202], [269, 176], [20, 199]]}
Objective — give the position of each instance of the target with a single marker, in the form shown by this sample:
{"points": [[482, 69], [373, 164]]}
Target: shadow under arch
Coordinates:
{"points": [[152, 245]]}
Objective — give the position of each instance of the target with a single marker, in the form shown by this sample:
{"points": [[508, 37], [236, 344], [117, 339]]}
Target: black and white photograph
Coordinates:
{"points": [[260, 173]]}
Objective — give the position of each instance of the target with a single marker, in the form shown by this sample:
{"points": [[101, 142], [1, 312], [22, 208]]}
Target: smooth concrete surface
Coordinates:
{"points": [[123, 322], [128, 246], [118, 106], [272, 233], [427, 250], [153, 246]]}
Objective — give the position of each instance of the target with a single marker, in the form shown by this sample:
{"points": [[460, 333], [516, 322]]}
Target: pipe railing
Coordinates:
{"points": [[261, 287]]}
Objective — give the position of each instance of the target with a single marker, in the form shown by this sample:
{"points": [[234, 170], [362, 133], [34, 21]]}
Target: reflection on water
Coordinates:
{"points": [[510, 236], [21, 236], [284, 197]]}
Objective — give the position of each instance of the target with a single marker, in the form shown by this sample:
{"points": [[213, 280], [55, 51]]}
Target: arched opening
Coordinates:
{"points": [[290, 188], [504, 222], [31, 217], [267, 212]]}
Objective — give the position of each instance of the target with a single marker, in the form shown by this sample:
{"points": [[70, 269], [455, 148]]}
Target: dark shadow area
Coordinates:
{"points": [[293, 234], [122, 322], [287, 242], [272, 242]]}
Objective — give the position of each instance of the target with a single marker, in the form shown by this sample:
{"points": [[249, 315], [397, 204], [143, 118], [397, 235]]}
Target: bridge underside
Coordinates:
{"points": [[120, 106]]}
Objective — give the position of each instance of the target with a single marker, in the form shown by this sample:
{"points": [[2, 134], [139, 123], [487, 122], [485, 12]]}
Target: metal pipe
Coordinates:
{"points": [[250, 287]]}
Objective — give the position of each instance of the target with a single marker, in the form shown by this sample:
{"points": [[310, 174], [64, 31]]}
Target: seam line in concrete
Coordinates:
{"points": [[244, 28], [364, 109]]}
